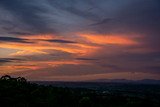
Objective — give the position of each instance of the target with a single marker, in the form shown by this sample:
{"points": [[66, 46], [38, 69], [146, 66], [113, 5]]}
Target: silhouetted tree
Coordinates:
{"points": [[6, 77], [9, 78], [21, 79]]}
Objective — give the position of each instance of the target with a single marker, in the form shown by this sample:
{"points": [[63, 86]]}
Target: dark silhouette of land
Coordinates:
{"points": [[17, 92]]}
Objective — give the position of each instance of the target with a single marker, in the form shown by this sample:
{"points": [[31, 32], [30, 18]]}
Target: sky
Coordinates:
{"points": [[79, 40]]}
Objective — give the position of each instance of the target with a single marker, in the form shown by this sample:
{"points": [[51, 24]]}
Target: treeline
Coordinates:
{"points": [[17, 92]]}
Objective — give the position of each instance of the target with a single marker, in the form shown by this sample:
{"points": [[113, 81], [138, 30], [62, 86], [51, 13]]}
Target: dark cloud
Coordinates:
{"points": [[72, 70], [20, 33], [48, 16], [132, 62], [111, 66], [142, 18], [53, 55], [139, 57], [86, 59], [154, 68], [13, 39], [7, 25], [60, 41], [104, 21], [79, 8], [6, 60], [104, 16], [27, 14]]}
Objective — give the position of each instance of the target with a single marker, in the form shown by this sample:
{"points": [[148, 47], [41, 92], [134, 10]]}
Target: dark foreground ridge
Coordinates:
{"points": [[17, 92]]}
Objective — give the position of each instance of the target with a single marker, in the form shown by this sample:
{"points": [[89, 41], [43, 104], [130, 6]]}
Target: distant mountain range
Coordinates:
{"points": [[97, 81], [143, 81]]}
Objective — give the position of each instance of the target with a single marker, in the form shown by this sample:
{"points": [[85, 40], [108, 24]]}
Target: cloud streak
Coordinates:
{"points": [[13, 39], [60, 41]]}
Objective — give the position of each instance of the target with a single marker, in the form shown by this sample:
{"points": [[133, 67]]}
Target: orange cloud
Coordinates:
{"points": [[36, 65], [109, 39], [39, 37], [38, 46], [86, 45], [16, 68]]}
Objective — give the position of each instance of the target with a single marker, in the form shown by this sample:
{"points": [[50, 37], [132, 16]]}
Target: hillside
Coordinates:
{"points": [[17, 92]]}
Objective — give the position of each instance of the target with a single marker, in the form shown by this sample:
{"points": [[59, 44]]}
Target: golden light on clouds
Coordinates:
{"points": [[17, 68], [39, 37], [36, 65], [40, 44], [84, 45], [109, 39]]}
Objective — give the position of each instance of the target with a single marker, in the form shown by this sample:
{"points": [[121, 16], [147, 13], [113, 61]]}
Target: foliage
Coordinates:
{"points": [[17, 92]]}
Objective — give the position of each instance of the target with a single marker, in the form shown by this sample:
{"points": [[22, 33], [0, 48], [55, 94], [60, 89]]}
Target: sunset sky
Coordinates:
{"points": [[76, 40]]}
